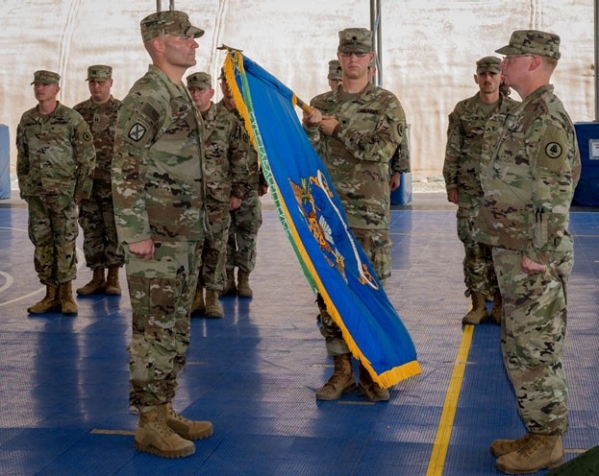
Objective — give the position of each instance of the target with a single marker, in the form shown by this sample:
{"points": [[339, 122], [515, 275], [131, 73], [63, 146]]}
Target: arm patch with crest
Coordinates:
{"points": [[142, 126], [553, 148]]}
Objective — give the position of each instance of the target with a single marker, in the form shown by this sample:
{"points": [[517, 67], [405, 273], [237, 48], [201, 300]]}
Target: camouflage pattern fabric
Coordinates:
{"points": [[471, 123], [55, 154], [157, 180], [96, 214], [243, 234], [159, 193], [227, 169], [371, 127], [161, 296], [247, 219], [55, 157], [53, 231], [528, 184], [530, 177], [532, 303]]}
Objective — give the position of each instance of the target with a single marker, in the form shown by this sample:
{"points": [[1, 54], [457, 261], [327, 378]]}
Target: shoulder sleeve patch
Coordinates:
{"points": [[137, 132], [553, 148], [84, 135]]}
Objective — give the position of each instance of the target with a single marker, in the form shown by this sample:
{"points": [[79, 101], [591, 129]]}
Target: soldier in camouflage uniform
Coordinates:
{"points": [[470, 123], [245, 220], [158, 192], [356, 129], [334, 77], [55, 157], [96, 214], [226, 153], [528, 179]]}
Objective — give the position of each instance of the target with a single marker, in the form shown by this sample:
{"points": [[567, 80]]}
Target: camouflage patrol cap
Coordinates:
{"points": [[199, 80], [45, 77], [532, 42], [355, 40], [488, 64], [99, 72], [169, 22], [335, 70]]}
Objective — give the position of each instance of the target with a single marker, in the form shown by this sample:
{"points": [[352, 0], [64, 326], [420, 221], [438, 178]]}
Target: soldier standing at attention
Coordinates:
{"points": [[356, 129], [470, 124], [334, 77], [158, 190], [226, 168], [245, 220], [528, 185], [55, 157], [96, 214]]}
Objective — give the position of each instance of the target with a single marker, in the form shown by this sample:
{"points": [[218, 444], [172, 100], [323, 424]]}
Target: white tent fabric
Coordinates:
{"points": [[429, 50]]}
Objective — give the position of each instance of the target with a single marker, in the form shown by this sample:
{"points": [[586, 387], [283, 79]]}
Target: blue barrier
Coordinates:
{"points": [[403, 194], [587, 191], [4, 163]]}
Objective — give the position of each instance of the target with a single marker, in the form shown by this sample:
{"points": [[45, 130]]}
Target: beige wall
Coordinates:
{"points": [[428, 49]]}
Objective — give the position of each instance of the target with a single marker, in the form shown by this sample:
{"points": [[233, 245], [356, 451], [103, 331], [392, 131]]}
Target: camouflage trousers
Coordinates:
{"points": [[377, 246], [214, 254], [479, 273], [532, 336], [243, 234], [53, 231], [96, 217], [161, 291]]}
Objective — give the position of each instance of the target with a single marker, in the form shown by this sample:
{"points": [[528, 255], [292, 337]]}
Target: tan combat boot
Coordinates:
{"points": [[502, 447], [113, 287], [478, 312], [372, 390], [243, 284], [96, 285], [50, 302], [198, 306], [497, 309], [230, 287], [185, 428], [154, 436], [539, 452], [341, 381], [68, 305], [213, 307]]}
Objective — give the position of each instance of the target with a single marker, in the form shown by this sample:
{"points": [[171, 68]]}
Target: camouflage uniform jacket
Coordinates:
{"points": [[157, 171], [55, 154], [255, 177], [400, 161], [530, 180], [226, 149], [371, 127], [470, 124], [101, 119]]}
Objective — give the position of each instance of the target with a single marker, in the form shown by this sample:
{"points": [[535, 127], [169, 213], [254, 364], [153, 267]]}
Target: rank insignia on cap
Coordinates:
{"points": [[137, 131]]}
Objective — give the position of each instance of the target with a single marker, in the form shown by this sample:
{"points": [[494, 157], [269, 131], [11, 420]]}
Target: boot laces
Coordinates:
{"points": [[532, 445]]}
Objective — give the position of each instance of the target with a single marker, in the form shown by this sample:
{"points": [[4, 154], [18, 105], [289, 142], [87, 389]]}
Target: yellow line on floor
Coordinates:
{"points": [[437, 461], [96, 431]]}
